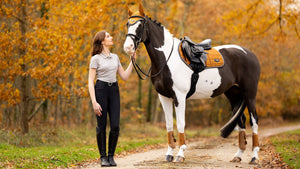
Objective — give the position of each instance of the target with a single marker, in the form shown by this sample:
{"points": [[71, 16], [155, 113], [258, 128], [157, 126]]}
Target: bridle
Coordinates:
{"points": [[137, 40]]}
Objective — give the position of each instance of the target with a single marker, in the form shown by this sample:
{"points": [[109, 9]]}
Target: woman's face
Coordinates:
{"points": [[108, 40]]}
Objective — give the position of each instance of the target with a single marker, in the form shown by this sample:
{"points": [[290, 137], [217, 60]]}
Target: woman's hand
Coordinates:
{"points": [[97, 109], [133, 56]]}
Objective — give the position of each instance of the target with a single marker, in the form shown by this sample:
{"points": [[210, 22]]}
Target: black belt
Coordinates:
{"points": [[109, 83]]}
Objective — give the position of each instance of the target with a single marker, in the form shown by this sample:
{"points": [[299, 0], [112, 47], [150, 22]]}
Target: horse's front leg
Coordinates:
{"points": [[180, 118], [167, 105]]}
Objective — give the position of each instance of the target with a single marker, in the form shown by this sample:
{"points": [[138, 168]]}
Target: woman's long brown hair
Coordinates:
{"points": [[97, 46]]}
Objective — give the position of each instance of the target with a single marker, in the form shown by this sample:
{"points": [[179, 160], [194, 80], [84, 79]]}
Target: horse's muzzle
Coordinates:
{"points": [[129, 48]]}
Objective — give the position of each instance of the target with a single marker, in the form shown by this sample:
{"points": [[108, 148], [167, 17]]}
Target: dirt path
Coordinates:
{"points": [[208, 153]]}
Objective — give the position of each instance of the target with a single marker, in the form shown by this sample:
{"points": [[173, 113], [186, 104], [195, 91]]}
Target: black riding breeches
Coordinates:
{"points": [[108, 96]]}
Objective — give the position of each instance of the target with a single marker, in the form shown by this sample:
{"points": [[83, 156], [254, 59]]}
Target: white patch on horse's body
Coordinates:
{"points": [[168, 37], [208, 81], [230, 46]]}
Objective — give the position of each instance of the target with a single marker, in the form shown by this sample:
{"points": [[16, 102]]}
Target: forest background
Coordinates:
{"points": [[45, 53]]}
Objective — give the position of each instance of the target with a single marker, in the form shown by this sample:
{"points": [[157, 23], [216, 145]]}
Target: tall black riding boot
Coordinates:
{"points": [[113, 140], [101, 141]]}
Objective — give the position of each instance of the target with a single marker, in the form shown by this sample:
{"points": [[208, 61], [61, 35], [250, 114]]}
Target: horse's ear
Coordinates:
{"points": [[129, 11], [141, 9]]}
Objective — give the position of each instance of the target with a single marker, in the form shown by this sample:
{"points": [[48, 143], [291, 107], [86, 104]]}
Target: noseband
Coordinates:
{"points": [[137, 40]]}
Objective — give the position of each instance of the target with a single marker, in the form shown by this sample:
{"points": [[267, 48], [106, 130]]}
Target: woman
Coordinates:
{"points": [[105, 94]]}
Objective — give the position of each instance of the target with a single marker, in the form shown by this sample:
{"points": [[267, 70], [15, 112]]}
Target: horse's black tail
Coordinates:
{"points": [[230, 125]]}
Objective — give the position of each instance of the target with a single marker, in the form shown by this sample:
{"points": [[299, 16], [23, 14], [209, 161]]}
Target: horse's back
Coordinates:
{"points": [[241, 67], [241, 59]]}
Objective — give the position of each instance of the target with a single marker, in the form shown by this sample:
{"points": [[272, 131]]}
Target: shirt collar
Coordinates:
{"points": [[105, 56]]}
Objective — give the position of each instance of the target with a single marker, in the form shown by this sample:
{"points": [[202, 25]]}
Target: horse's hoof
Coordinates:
{"points": [[254, 161], [179, 159], [236, 160], [169, 158]]}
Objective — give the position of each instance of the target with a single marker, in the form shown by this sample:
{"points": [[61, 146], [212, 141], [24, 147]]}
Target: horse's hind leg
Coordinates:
{"points": [[254, 124], [167, 105], [235, 96]]}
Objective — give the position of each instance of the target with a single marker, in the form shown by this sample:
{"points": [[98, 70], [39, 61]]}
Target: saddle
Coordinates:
{"points": [[198, 56], [194, 52]]}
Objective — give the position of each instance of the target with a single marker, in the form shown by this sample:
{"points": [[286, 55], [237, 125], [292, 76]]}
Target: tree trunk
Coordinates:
{"points": [[25, 83], [148, 119]]}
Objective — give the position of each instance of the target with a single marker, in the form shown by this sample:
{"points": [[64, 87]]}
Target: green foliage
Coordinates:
{"points": [[288, 146], [48, 147]]}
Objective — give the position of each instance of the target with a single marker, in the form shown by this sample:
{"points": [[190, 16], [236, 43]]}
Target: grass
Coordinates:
{"points": [[288, 145], [49, 147]]}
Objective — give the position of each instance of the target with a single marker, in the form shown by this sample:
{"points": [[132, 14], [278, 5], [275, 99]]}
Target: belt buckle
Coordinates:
{"points": [[110, 84]]}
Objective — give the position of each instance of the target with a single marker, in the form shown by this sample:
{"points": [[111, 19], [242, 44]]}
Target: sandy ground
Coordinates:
{"points": [[208, 153]]}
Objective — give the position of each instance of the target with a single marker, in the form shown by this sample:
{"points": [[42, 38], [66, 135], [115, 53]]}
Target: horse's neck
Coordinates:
{"points": [[168, 43], [159, 46]]}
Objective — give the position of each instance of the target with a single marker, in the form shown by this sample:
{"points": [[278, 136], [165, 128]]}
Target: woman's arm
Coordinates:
{"points": [[125, 74], [96, 106]]}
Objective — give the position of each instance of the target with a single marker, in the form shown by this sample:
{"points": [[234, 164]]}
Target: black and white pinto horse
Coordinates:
{"points": [[171, 77]]}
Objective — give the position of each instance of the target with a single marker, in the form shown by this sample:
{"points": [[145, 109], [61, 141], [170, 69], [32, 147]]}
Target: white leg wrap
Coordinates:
{"points": [[239, 153], [181, 151], [255, 152], [170, 151]]}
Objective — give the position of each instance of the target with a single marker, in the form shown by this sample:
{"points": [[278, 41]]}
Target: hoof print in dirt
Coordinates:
{"points": [[236, 160], [254, 161], [169, 158]]}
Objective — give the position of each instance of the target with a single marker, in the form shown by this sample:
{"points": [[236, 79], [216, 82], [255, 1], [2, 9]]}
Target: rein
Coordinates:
{"points": [[139, 70], [137, 39]]}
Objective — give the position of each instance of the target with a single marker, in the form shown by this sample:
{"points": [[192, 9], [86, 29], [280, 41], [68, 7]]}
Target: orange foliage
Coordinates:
{"points": [[58, 42]]}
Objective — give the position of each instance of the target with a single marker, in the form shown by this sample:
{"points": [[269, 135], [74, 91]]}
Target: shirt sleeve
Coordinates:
{"points": [[119, 63], [93, 62]]}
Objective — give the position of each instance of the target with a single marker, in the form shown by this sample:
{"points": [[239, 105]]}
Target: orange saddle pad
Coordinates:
{"points": [[214, 58]]}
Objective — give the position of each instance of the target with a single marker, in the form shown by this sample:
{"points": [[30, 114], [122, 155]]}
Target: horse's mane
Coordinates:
{"points": [[154, 21]]}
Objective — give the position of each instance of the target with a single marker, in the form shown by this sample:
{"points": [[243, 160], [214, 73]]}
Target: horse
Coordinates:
{"points": [[171, 77]]}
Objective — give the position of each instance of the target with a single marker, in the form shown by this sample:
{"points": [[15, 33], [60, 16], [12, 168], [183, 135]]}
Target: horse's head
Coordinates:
{"points": [[136, 28]]}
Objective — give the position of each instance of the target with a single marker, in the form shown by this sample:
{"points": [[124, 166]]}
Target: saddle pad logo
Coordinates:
{"points": [[214, 58]]}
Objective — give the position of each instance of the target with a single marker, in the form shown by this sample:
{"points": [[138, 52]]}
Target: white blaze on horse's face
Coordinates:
{"points": [[129, 43]]}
